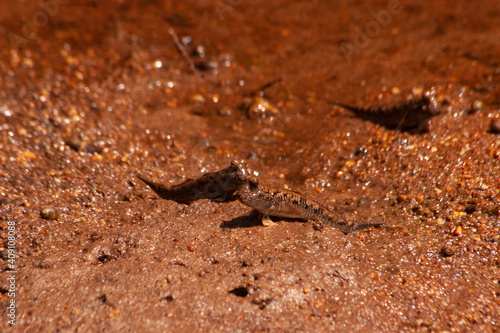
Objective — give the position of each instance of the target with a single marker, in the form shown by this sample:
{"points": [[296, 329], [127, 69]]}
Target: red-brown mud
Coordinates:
{"points": [[94, 92]]}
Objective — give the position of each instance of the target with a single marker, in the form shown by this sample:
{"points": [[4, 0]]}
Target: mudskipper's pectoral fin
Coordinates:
{"points": [[266, 220]]}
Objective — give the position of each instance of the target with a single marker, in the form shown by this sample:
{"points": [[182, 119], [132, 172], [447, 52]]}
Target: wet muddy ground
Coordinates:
{"points": [[92, 93]]}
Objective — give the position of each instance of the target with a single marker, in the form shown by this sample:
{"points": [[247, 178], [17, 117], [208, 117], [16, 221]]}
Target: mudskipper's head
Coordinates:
{"points": [[248, 193], [239, 171]]}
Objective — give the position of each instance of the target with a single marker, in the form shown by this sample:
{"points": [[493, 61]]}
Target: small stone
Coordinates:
{"points": [[402, 198], [456, 214], [261, 108], [49, 213], [95, 147], [447, 250], [74, 143], [470, 208], [420, 198], [199, 51], [458, 230], [425, 322], [27, 62], [113, 313], [360, 151], [350, 163], [494, 126], [197, 98], [29, 155], [225, 112], [206, 65], [417, 91], [22, 131], [191, 248], [186, 40], [477, 106]]}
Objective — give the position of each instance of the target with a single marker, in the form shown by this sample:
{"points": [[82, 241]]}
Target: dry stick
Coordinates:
{"points": [[267, 85], [182, 51]]}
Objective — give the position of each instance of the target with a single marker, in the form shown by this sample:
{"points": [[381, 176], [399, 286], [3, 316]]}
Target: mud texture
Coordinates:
{"points": [[94, 92]]}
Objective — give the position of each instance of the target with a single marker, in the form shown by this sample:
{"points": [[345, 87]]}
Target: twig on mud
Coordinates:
{"points": [[267, 85], [182, 51]]}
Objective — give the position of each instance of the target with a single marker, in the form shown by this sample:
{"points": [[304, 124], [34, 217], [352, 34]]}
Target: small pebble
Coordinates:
{"points": [[204, 65], [420, 198], [29, 155], [447, 250], [74, 143], [470, 208], [186, 40], [494, 126], [95, 147], [103, 298], [225, 112], [113, 313], [360, 151], [197, 98], [199, 51], [261, 108], [49, 213], [477, 106], [458, 230], [402, 198]]}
